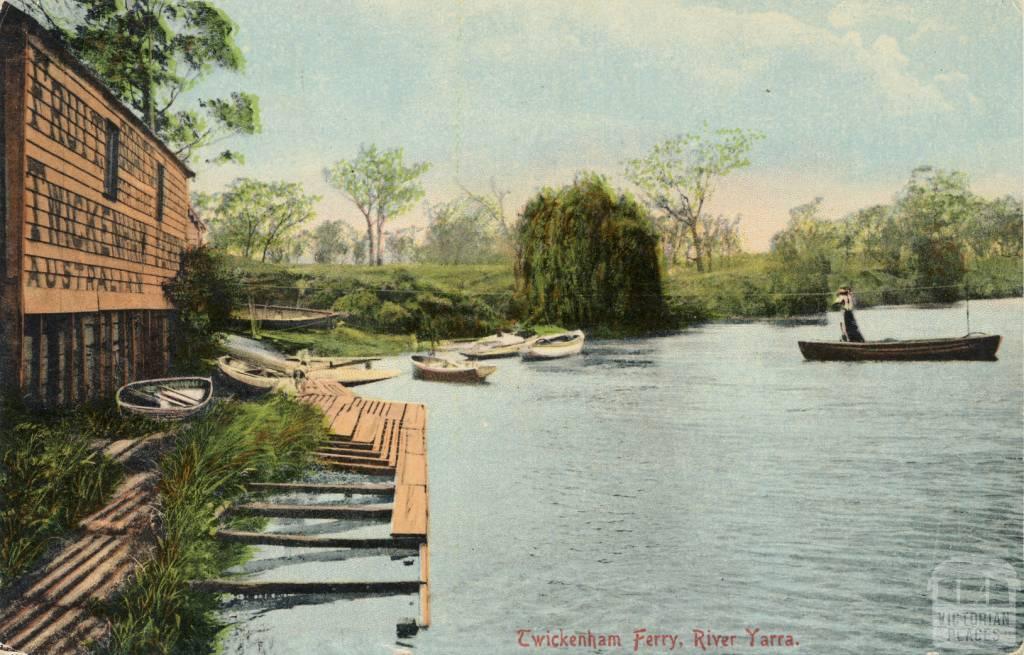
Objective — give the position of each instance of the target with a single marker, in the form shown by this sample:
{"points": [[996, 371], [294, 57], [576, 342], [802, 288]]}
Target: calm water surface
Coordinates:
{"points": [[710, 480]]}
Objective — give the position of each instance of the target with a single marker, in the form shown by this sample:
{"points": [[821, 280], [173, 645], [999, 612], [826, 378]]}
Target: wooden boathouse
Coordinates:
{"points": [[94, 215]]}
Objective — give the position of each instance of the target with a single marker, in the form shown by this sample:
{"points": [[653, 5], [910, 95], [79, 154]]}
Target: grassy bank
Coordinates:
{"points": [[388, 308], [52, 475], [213, 458]]}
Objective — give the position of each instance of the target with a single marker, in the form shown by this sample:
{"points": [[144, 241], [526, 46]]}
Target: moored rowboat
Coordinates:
{"points": [[350, 376], [555, 346], [254, 377], [426, 367], [971, 347], [166, 398], [277, 317]]}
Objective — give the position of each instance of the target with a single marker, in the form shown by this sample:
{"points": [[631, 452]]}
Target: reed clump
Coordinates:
{"points": [[212, 460]]}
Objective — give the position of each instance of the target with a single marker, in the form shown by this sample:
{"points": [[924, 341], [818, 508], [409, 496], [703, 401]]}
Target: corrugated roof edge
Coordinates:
{"points": [[11, 17]]}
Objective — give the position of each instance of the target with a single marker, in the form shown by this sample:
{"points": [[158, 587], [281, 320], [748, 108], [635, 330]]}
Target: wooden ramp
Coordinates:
{"points": [[367, 436]]}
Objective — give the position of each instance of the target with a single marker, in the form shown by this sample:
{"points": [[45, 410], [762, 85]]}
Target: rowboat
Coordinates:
{"points": [[254, 377], [495, 350], [555, 346], [278, 317], [501, 344], [427, 367], [979, 347], [350, 376], [166, 398]]}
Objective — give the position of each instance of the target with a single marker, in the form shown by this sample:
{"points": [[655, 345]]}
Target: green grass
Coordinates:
{"points": [[52, 475], [212, 460]]}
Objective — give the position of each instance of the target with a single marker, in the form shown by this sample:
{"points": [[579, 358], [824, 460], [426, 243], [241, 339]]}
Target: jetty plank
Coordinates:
{"points": [[368, 469], [240, 587], [366, 431], [412, 470], [424, 585], [311, 541], [413, 441], [344, 424], [315, 511], [370, 488], [409, 515]]}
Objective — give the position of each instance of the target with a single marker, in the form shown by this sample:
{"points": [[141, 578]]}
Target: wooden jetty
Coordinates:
{"points": [[366, 436]]}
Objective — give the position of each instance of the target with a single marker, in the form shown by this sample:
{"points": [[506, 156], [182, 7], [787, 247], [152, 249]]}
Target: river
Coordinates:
{"points": [[710, 481]]}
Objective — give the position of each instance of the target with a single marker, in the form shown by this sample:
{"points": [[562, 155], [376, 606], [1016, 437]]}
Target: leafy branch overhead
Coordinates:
{"points": [[153, 54]]}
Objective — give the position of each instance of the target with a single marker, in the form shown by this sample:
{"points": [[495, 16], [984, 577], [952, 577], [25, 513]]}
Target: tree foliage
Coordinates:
{"points": [[467, 230], [152, 54], [678, 177], [331, 240], [381, 186], [587, 256], [257, 219], [920, 248], [204, 293]]}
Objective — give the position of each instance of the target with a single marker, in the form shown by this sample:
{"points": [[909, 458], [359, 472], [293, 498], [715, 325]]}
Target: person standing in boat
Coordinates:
{"points": [[844, 298]]}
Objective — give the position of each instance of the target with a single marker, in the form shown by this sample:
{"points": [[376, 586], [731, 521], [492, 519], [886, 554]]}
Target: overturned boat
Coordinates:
{"points": [[166, 399], [972, 347], [438, 369]]}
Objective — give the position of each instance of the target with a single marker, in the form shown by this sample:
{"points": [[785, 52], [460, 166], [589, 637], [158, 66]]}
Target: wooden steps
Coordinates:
{"points": [[369, 437], [307, 541], [314, 511], [250, 587], [368, 488]]}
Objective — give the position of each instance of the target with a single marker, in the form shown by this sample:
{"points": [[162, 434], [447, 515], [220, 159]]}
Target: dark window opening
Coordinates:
{"points": [[159, 192], [110, 173]]}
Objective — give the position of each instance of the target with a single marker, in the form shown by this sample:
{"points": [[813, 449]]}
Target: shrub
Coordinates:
{"points": [[204, 292]]}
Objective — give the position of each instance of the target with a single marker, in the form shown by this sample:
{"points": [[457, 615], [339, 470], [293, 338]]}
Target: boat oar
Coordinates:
{"points": [[173, 396]]}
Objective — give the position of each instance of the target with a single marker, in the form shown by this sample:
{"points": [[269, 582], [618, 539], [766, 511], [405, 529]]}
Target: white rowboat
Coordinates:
{"points": [[555, 346]]}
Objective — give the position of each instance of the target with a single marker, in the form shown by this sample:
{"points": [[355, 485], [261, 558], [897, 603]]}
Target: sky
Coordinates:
{"points": [[851, 96]]}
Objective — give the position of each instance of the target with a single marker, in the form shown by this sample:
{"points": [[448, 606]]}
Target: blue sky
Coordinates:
{"points": [[851, 95]]}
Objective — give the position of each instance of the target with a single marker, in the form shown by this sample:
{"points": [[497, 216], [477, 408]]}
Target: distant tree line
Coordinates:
{"points": [[921, 247]]}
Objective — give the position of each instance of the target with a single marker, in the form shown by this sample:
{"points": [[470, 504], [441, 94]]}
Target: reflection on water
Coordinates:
{"points": [[711, 480]]}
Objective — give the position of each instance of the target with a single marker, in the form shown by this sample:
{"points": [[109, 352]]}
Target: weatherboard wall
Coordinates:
{"points": [[95, 219]]}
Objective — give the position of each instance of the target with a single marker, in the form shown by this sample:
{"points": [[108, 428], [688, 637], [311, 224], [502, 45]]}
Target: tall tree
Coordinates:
{"points": [[934, 209], [152, 53], [381, 186], [678, 177], [802, 259], [256, 219]]}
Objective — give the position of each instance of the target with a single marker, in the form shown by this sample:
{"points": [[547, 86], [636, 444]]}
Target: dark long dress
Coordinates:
{"points": [[850, 330]]}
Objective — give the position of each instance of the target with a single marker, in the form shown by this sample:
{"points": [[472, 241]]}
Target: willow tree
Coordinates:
{"points": [[587, 256]]}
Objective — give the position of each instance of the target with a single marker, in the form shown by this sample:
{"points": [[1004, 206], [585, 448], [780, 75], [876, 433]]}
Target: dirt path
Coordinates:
{"points": [[50, 614]]}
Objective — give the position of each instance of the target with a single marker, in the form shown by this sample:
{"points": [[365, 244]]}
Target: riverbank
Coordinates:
{"points": [[384, 305]]}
